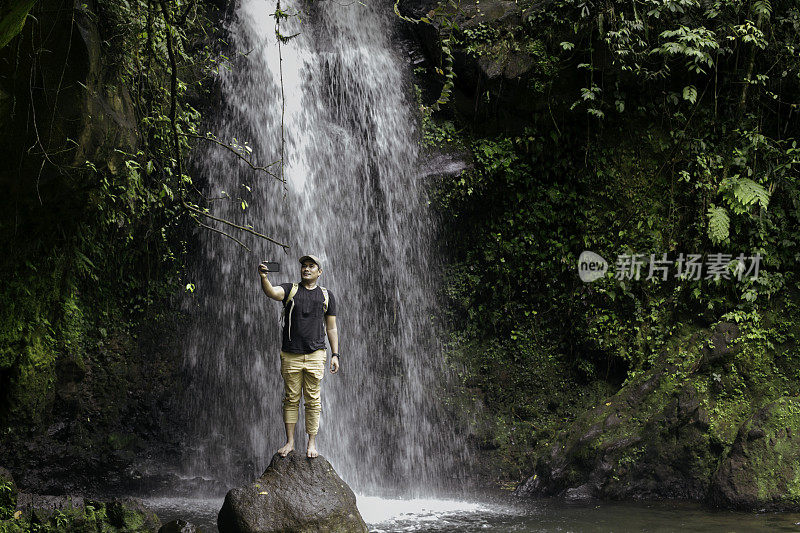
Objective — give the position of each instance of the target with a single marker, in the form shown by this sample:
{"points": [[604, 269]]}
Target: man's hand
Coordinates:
{"points": [[334, 364], [276, 293]]}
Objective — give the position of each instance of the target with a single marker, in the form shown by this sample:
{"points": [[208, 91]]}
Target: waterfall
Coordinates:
{"points": [[354, 197]]}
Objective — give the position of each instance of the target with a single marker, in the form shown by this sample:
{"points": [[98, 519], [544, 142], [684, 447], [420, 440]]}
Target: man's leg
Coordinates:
{"points": [[312, 380], [289, 446], [292, 372]]}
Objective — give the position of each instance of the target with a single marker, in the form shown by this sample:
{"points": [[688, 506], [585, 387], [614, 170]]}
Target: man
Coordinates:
{"points": [[309, 313]]}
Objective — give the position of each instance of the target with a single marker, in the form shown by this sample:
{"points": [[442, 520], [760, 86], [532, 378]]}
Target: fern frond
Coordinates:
{"points": [[449, 75], [718, 224], [747, 192], [762, 8]]}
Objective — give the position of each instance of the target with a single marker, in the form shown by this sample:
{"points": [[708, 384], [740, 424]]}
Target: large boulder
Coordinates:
{"points": [[295, 493], [762, 470], [712, 420], [662, 435]]}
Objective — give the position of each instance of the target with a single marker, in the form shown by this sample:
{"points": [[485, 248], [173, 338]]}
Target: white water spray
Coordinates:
{"points": [[353, 197]]}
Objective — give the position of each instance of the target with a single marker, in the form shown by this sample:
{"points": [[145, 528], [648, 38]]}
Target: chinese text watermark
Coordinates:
{"points": [[592, 266]]}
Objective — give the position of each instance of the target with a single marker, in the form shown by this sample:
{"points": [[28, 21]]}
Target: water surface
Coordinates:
{"points": [[508, 514]]}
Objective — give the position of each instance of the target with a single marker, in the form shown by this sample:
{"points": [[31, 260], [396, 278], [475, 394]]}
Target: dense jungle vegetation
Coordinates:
{"points": [[646, 127], [99, 104]]}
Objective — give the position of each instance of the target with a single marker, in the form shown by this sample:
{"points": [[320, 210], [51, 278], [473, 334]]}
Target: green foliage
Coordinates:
{"points": [[478, 39], [113, 517], [663, 127], [446, 71], [106, 250], [8, 498], [694, 45], [718, 224]]}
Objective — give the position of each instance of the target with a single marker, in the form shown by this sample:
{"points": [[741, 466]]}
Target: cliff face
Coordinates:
{"points": [[89, 354], [62, 103]]}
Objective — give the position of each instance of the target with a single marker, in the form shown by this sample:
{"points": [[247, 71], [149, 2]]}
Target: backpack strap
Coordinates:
{"points": [[292, 292], [290, 303], [324, 307], [325, 302]]}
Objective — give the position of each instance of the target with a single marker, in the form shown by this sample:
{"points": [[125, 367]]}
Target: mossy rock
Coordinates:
{"points": [[74, 514], [12, 19], [762, 470], [294, 494], [652, 439], [131, 515]]}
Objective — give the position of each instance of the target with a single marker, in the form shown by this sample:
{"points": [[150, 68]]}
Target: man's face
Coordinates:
{"points": [[309, 271]]}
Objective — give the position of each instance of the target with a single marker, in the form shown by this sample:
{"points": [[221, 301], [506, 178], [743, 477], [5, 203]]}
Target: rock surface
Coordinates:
{"points": [[294, 494], [661, 436], [647, 441], [674, 432], [75, 513], [762, 471], [179, 526]]}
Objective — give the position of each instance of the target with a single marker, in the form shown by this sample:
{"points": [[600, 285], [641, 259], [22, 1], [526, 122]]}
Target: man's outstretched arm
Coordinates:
{"points": [[276, 293]]}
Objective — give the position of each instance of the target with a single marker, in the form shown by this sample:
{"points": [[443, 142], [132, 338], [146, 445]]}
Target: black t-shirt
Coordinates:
{"points": [[305, 331]]}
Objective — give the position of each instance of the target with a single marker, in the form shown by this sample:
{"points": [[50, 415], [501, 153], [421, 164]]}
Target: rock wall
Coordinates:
{"points": [[673, 432], [90, 359]]}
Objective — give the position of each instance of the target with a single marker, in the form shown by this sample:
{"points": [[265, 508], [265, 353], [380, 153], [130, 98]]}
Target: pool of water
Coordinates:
{"points": [[507, 514]]}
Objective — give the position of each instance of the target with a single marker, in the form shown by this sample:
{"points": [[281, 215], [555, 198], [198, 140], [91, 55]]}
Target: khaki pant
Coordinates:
{"points": [[303, 371]]}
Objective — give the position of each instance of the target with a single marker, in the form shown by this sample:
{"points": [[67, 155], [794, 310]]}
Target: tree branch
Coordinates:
{"points": [[239, 155], [243, 245], [176, 140], [233, 225]]}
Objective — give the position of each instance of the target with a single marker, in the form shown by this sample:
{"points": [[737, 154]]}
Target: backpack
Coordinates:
{"points": [[287, 316]]}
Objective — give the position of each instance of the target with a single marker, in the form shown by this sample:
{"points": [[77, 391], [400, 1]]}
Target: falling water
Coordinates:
{"points": [[353, 195]]}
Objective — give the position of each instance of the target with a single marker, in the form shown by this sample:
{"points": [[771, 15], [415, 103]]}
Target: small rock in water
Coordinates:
{"points": [[295, 493], [179, 526]]}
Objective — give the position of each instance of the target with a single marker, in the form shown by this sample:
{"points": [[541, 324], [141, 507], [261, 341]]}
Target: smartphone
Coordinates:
{"points": [[272, 266]]}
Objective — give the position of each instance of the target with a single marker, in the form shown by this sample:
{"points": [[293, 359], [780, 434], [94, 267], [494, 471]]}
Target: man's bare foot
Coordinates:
{"points": [[311, 451], [288, 447]]}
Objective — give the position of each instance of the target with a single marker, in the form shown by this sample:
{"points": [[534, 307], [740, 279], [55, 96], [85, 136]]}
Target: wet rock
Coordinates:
{"points": [[131, 514], [722, 343], [41, 508], [179, 526], [650, 440], [502, 12], [446, 164], [580, 494], [294, 494], [762, 469], [74, 513]]}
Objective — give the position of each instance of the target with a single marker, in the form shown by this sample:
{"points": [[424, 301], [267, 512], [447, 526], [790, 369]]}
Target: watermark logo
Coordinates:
{"points": [[716, 266], [591, 266]]}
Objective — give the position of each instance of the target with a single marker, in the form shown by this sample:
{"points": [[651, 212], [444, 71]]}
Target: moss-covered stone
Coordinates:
{"points": [[762, 470], [293, 494], [131, 515], [66, 514], [664, 433], [12, 19]]}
